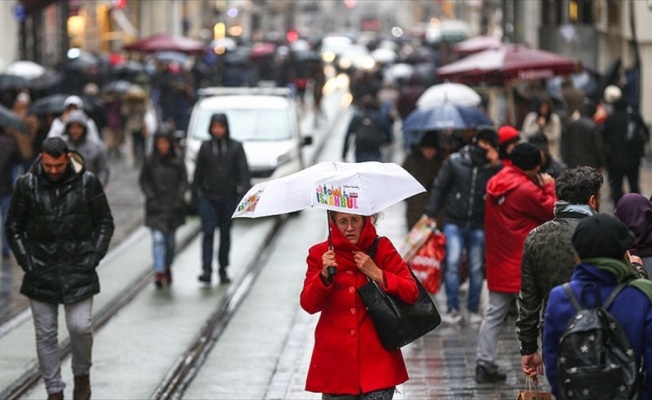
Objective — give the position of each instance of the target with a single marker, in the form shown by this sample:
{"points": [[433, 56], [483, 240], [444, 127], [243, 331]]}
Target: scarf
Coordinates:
{"points": [[564, 206], [623, 271]]}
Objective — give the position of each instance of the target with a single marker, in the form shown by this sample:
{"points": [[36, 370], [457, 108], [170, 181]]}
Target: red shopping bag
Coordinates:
{"points": [[428, 261]]}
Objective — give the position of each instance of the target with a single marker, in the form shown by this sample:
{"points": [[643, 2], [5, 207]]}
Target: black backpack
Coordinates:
{"points": [[595, 359], [368, 136]]}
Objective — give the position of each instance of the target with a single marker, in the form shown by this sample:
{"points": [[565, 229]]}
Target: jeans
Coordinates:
{"points": [[215, 214], [472, 240], [163, 246], [494, 316], [5, 199], [78, 320]]}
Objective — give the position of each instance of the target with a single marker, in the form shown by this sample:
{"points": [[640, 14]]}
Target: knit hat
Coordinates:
{"points": [[507, 133], [601, 235], [488, 134], [429, 140], [525, 156]]}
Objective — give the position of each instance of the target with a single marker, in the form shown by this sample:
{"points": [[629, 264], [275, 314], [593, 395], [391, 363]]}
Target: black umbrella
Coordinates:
{"points": [[9, 120], [82, 63], [49, 78], [118, 87], [8, 82], [52, 104], [128, 68]]}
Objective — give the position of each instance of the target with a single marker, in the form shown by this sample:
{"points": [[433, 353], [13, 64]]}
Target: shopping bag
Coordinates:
{"points": [[429, 260], [417, 236], [533, 392]]}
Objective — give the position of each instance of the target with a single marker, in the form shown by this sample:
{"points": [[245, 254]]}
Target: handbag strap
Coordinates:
{"points": [[374, 246]]}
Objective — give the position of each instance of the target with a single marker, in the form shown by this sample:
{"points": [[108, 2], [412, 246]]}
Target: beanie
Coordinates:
{"points": [[429, 140], [507, 133], [488, 134], [601, 235], [525, 156]]}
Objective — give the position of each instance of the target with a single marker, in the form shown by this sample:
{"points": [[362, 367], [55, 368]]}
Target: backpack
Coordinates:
{"points": [[595, 359], [368, 136], [637, 134]]}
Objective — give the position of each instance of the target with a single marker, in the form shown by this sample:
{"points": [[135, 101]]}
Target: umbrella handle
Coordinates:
{"points": [[331, 270]]}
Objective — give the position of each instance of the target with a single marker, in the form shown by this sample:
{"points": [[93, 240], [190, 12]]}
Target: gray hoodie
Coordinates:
{"points": [[94, 153]]}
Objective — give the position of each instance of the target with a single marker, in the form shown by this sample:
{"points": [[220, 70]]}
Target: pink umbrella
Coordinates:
{"points": [[510, 61], [167, 42], [262, 49], [476, 44]]}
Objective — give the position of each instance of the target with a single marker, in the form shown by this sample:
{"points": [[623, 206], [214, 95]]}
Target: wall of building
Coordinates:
{"points": [[10, 28]]}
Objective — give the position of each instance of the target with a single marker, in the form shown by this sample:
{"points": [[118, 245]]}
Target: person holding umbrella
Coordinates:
{"points": [[348, 358], [58, 126]]}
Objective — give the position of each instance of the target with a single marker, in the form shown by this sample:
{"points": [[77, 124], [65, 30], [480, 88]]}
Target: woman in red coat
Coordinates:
{"points": [[348, 358]]}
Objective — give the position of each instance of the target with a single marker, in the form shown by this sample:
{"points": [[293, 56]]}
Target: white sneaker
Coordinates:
{"points": [[475, 318], [451, 317]]}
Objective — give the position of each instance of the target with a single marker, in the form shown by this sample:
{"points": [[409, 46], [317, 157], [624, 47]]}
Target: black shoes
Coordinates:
{"points": [[206, 278], [489, 374], [224, 277]]}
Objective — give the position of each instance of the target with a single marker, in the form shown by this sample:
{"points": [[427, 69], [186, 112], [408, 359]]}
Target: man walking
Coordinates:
{"points": [[518, 200], [459, 188], [548, 257], [221, 178], [59, 228]]}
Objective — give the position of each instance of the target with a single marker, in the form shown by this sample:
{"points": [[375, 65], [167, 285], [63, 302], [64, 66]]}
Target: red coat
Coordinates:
{"points": [[514, 205], [348, 357]]}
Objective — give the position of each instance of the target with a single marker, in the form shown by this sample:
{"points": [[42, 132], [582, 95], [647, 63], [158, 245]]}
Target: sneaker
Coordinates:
{"points": [[206, 278], [489, 374], [452, 317], [475, 318]]}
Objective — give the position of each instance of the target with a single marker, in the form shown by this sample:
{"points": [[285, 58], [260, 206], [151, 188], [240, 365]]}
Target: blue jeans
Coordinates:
{"points": [[215, 214], [163, 246], [5, 199], [472, 240]]}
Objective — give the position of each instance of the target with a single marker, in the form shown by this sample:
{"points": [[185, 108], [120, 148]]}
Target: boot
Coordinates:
{"points": [[82, 389], [159, 279], [55, 396], [168, 275], [224, 277]]}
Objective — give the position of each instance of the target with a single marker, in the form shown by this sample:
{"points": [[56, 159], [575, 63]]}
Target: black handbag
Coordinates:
{"points": [[398, 323]]}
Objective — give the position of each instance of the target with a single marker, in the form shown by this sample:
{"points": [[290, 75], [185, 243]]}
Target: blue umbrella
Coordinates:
{"points": [[445, 116]]}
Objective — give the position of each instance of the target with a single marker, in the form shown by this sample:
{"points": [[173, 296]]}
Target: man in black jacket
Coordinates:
{"points": [[459, 189], [59, 228], [222, 177]]}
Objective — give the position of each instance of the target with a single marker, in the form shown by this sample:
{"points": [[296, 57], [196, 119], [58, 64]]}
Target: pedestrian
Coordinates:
{"points": [[423, 162], [369, 130], [221, 178], [635, 211], [58, 126], [59, 245], [623, 157], [348, 360], [77, 138], [9, 158], [134, 110], [518, 200], [581, 139], [543, 127], [459, 189], [164, 181], [548, 257], [113, 132], [600, 243], [508, 137]]}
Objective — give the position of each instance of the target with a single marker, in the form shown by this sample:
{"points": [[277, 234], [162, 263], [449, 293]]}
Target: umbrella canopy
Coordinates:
{"points": [[356, 188], [262, 49], [476, 44], [384, 55], [172, 56], [120, 87], [53, 104], [128, 68], [399, 71], [445, 116], [507, 62], [166, 42], [82, 62], [453, 93], [25, 69], [9, 120], [8, 82]]}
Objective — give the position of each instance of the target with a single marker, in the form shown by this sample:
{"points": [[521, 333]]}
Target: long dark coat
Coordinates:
{"points": [[164, 181]]}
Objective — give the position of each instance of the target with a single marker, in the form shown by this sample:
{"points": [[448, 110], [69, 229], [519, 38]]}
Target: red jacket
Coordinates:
{"points": [[514, 205], [348, 357]]}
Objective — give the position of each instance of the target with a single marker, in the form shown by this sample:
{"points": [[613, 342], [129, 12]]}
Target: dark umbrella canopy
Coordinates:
{"points": [[128, 68], [9, 120], [119, 87], [445, 116], [53, 104], [8, 82], [49, 78], [84, 62]]}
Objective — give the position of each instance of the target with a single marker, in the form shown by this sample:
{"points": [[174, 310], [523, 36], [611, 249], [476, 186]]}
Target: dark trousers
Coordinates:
{"points": [[616, 174], [215, 214]]}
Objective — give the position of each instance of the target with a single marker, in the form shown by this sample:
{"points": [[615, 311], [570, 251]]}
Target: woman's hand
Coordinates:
{"points": [[367, 266], [327, 260]]}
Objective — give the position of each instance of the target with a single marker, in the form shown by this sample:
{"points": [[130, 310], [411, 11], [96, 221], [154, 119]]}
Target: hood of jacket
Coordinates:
{"points": [[505, 181], [77, 165], [635, 210], [220, 117], [77, 117]]}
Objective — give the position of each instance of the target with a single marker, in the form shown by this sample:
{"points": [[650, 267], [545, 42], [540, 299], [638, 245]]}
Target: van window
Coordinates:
{"points": [[248, 125]]}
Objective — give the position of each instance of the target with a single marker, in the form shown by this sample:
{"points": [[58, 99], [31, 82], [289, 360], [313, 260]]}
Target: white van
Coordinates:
{"points": [[264, 120]]}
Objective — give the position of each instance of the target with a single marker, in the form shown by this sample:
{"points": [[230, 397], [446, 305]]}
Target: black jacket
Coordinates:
{"points": [[59, 232], [164, 181], [222, 174], [460, 186]]}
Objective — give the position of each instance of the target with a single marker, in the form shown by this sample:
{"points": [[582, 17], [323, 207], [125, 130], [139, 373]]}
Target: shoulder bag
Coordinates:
{"points": [[398, 323]]}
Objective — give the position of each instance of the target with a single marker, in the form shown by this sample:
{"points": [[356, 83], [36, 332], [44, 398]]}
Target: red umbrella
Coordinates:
{"points": [[167, 42], [262, 49], [511, 61], [476, 44]]}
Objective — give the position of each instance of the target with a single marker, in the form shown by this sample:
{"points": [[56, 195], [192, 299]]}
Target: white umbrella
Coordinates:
{"points": [[399, 71], [384, 55], [453, 93], [356, 188], [25, 69]]}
